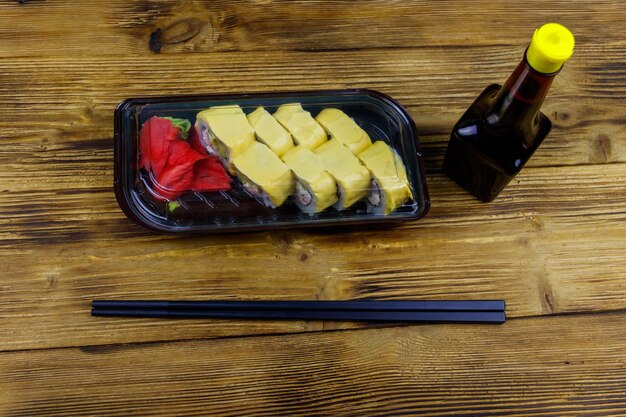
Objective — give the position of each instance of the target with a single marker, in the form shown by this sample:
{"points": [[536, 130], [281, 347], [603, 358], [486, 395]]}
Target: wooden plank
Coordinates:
{"points": [[60, 109], [553, 243], [65, 241], [122, 28], [531, 367], [539, 246]]}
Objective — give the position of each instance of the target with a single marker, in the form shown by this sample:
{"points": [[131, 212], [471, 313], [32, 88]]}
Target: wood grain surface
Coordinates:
{"points": [[553, 245], [518, 369]]}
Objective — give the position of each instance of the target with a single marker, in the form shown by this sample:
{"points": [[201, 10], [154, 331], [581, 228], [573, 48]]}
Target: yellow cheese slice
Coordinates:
{"points": [[352, 177], [228, 129], [339, 125], [309, 170], [389, 172], [302, 126], [270, 132], [259, 166]]}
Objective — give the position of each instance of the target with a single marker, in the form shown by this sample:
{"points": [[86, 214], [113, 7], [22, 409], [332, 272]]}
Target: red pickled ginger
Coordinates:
{"points": [[176, 167]]}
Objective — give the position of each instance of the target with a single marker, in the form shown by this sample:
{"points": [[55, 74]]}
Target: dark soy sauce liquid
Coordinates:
{"points": [[499, 132]]}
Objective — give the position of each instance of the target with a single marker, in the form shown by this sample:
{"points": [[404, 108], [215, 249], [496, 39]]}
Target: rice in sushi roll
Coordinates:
{"points": [[315, 189], [224, 131], [302, 126], [340, 126], [263, 174], [389, 186], [353, 179], [270, 132]]}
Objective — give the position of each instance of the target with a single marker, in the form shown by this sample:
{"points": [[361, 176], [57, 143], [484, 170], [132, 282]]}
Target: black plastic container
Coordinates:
{"points": [[237, 210]]}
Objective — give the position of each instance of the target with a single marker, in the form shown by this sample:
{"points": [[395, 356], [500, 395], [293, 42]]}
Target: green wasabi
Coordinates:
{"points": [[183, 124]]}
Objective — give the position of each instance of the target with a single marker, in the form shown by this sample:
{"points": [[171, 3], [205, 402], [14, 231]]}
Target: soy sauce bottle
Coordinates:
{"points": [[501, 130]]}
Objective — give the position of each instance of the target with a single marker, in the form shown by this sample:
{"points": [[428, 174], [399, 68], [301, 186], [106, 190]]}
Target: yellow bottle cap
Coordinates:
{"points": [[551, 46]]}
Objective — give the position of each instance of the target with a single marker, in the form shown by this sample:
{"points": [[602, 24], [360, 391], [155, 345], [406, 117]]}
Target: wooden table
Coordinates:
{"points": [[553, 244]]}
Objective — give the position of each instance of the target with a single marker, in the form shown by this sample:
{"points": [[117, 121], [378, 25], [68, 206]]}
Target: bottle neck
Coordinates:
{"points": [[519, 100]]}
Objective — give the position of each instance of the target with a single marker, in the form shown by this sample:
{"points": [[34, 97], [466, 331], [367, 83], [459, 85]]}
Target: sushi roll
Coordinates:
{"points": [[353, 179], [340, 126], [224, 131], [270, 132], [315, 189], [263, 174], [389, 186], [302, 126]]}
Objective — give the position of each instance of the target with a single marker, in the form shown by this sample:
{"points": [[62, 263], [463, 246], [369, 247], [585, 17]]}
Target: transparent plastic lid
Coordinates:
{"points": [[267, 160]]}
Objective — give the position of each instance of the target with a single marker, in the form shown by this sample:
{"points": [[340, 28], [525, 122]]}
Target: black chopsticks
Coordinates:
{"points": [[459, 311]]}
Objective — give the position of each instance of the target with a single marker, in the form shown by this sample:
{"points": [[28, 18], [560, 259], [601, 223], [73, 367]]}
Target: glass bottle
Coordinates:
{"points": [[504, 126]]}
